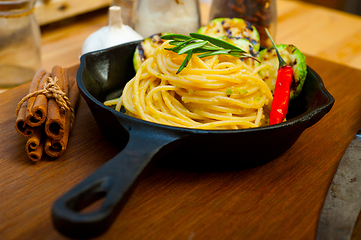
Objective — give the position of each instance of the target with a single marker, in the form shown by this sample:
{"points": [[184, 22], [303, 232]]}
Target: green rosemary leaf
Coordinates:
{"points": [[215, 41], [243, 55], [210, 47], [176, 43], [182, 45], [203, 45], [177, 37], [192, 46], [213, 53], [186, 61], [201, 50]]}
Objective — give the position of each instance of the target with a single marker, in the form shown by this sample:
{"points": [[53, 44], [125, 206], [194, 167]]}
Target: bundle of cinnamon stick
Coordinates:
{"points": [[46, 115]]}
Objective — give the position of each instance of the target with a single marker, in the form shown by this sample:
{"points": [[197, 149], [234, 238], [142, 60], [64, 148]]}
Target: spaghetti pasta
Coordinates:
{"points": [[217, 92]]}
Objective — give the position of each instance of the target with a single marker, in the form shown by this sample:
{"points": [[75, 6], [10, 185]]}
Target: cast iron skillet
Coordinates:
{"points": [[101, 76]]}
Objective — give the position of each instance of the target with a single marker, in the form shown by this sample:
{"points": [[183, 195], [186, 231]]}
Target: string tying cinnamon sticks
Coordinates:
{"points": [[51, 90], [46, 114]]}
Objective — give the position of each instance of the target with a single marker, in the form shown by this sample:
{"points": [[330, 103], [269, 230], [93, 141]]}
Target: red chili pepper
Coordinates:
{"points": [[282, 89], [281, 95]]}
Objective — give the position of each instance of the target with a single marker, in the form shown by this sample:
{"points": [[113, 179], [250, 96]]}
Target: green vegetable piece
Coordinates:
{"points": [[242, 44], [234, 29], [293, 57], [229, 92], [146, 47]]}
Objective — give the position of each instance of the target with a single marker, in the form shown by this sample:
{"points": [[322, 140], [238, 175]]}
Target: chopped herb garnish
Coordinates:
{"points": [[229, 92], [190, 91], [203, 44]]}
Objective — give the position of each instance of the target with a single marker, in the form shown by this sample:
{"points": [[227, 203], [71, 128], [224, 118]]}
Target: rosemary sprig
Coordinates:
{"points": [[204, 45]]}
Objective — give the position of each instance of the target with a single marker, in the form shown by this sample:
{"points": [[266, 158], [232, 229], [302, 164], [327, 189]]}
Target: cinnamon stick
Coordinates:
{"points": [[20, 124], [40, 106], [33, 88], [55, 120], [55, 148], [35, 145]]}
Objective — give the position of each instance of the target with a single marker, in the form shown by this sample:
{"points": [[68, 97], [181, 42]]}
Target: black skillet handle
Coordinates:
{"points": [[114, 181]]}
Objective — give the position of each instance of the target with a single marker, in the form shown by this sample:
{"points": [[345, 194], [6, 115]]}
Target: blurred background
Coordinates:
{"points": [[350, 6], [65, 24], [49, 11]]}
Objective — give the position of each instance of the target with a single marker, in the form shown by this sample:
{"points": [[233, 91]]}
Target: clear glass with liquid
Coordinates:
{"points": [[174, 16], [20, 43]]}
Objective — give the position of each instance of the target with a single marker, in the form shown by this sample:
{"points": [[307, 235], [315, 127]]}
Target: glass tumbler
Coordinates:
{"points": [[156, 16], [20, 42], [261, 13]]}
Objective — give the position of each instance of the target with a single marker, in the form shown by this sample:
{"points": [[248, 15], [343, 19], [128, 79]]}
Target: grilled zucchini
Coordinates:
{"points": [[234, 29], [246, 46], [293, 57], [146, 48]]}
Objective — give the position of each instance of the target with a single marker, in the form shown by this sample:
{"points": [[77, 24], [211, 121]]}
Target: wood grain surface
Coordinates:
{"points": [[54, 10], [279, 200]]}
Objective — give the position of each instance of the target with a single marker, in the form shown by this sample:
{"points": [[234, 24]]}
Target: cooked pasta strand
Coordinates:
{"points": [[217, 92]]}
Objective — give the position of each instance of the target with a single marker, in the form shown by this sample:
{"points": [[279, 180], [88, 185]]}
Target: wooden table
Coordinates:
{"points": [[279, 200]]}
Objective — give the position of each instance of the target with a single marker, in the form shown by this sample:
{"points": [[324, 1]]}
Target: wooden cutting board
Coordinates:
{"points": [[279, 200]]}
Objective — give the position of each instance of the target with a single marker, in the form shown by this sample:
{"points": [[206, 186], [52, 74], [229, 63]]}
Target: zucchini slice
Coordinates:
{"points": [[145, 49], [293, 57], [246, 46], [234, 29]]}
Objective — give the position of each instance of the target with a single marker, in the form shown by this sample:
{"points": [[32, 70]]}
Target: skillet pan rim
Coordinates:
{"points": [[304, 118]]}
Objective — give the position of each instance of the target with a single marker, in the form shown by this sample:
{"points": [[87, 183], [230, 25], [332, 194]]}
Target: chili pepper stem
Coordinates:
{"points": [[280, 59]]}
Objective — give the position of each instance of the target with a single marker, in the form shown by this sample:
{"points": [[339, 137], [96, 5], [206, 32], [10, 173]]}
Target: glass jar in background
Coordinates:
{"points": [[174, 16], [20, 42], [261, 13]]}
